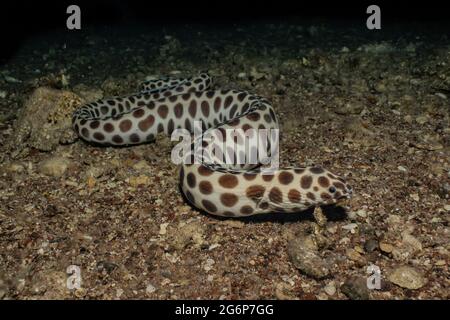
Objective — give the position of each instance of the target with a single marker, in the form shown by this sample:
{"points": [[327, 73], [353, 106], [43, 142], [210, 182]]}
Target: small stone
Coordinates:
{"points": [[16, 168], [356, 288], [414, 196], [150, 289], [55, 166], [95, 172], [370, 245], [412, 241], [142, 166], [306, 259], [353, 255], [441, 95], [440, 263], [386, 247], [282, 291], [139, 180], [421, 119], [447, 207], [354, 107], [352, 216], [359, 249], [362, 213], [107, 266], [332, 228], [350, 226], [402, 169], [408, 119], [2, 94], [208, 264], [407, 277], [11, 79], [256, 75], [190, 233], [394, 220], [65, 80], [163, 228], [242, 75], [119, 292], [380, 87], [213, 246], [330, 289]]}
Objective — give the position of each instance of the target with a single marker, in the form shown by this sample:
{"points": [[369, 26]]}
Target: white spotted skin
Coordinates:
{"points": [[232, 190]]}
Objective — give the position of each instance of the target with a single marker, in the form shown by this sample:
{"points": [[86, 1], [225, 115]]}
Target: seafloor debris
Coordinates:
{"points": [[44, 121]]}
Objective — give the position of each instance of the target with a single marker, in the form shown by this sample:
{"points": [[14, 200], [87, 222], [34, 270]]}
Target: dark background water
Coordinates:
{"points": [[21, 20]]}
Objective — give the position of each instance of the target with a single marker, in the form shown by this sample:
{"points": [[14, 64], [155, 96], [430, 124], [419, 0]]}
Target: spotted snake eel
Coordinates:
{"points": [[232, 190]]}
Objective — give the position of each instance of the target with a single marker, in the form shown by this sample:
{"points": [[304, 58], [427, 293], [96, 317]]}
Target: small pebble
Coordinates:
{"points": [[412, 241], [350, 226], [386, 247], [208, 264], [370, 245], [306, 259], [150, 289], [55, 166], [362, 213], [163, 228], [330, 289], [242, 75], [356, 288], [440, 263], [407, 277], [11, 79]]}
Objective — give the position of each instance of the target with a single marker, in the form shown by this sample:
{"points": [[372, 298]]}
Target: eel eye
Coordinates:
{"points": [[332, 189]]}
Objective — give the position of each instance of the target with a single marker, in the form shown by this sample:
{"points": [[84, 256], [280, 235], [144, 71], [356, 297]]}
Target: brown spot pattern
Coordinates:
{"points": [[228, 199], [178, 110], [99, 136], [145, 124], [108, 127], [228, 181], [191, 180], [209, 206], [255, 192], [163, 110], [323, 182], [306, 181], [267, 177], [205, 108], [294, 196], [316, 170], [205, 171], [246, 210], [275, 195], [138, 113], [205, 187], [285, 177], [125, 125], [311, 196]]}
